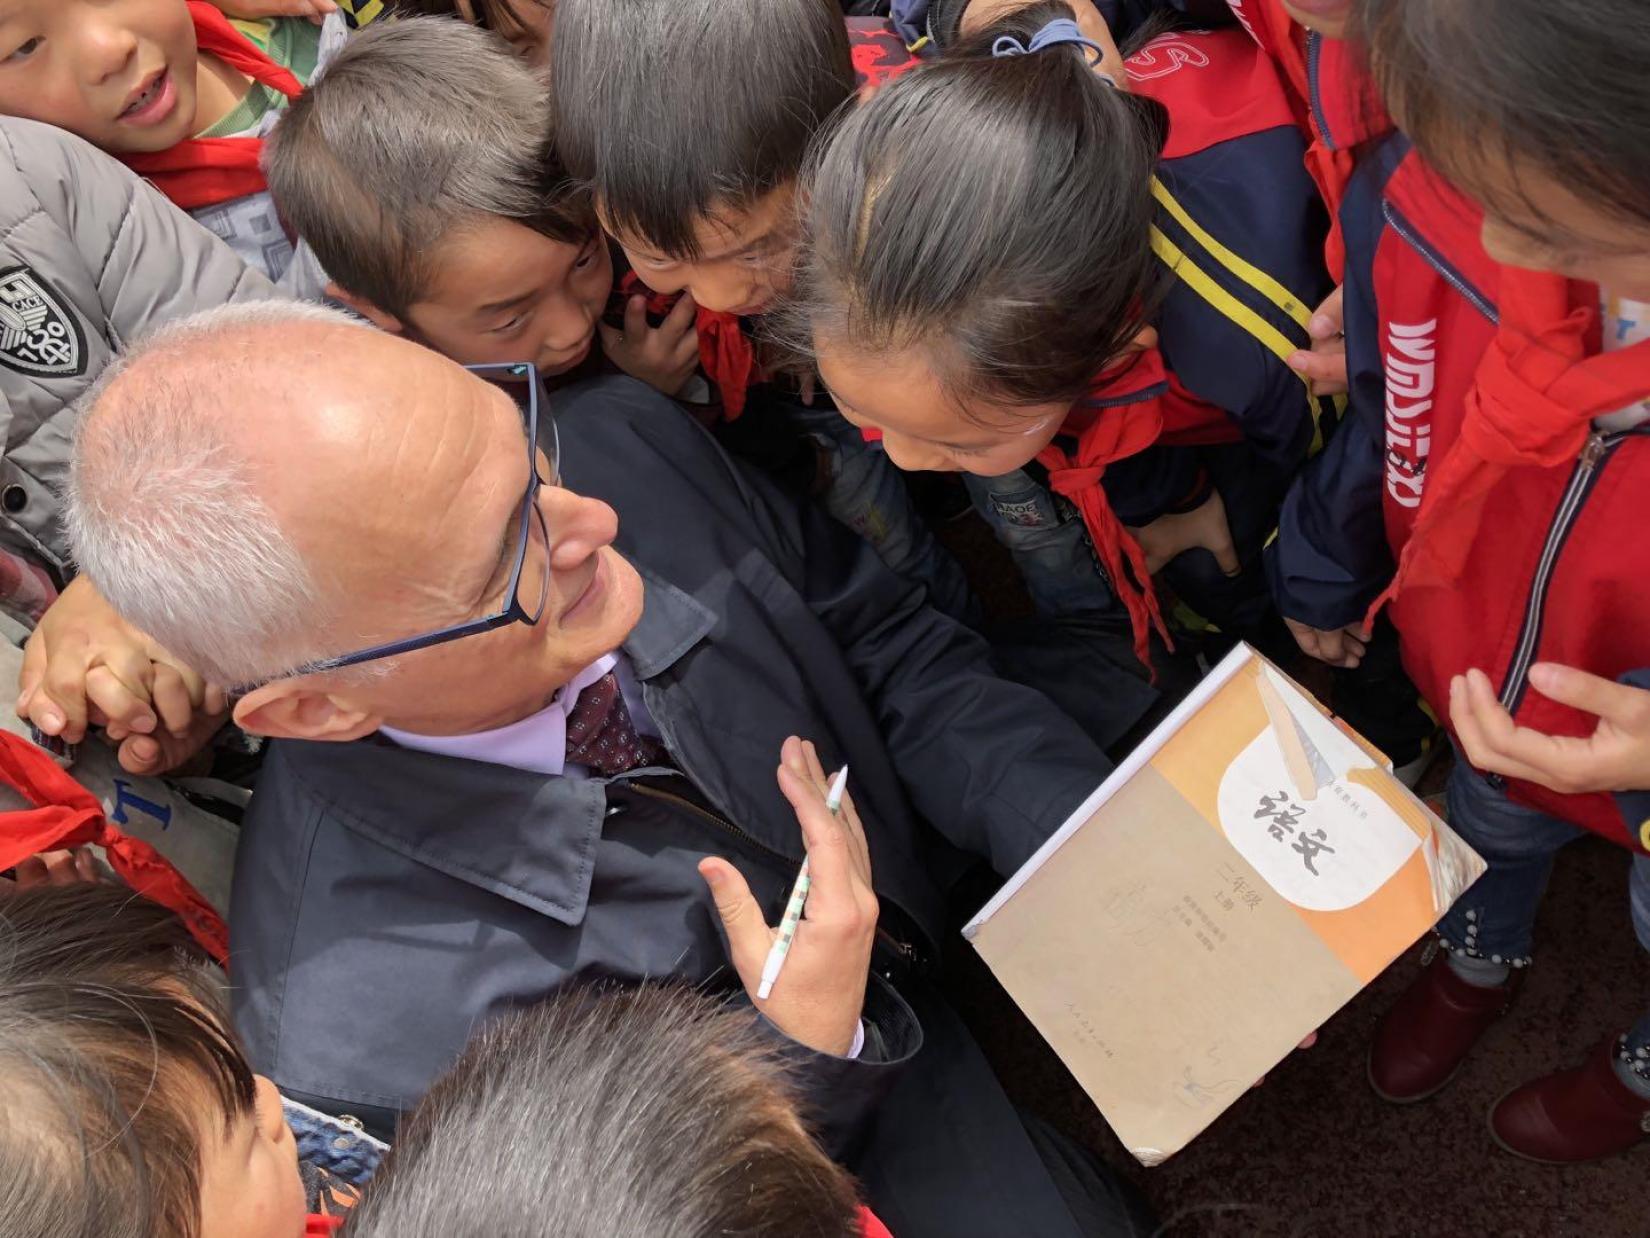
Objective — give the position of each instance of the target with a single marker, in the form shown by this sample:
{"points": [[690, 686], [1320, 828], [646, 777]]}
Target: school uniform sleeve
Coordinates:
{"points": [[1331, 558], [1241, 228]]}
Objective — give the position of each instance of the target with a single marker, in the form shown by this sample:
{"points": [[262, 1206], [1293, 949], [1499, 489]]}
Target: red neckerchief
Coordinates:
{"points": [[1532, 403], [725, 352], [1131, 406], [1124, 428], [869, 1226], [68, 815], [318, 1226], [201, 172]]}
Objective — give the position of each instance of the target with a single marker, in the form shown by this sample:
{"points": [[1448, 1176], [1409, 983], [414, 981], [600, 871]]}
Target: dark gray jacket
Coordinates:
{"points": [[387, 900]]}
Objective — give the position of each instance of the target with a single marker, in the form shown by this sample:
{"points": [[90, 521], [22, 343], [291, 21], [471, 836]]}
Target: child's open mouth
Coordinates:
{"points": [[153, 102]]}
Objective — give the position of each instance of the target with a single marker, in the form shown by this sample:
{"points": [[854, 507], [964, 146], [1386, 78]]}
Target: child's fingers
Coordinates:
{"points": [[687, 351], [635, 317], [1329, 319], [682, 315]]}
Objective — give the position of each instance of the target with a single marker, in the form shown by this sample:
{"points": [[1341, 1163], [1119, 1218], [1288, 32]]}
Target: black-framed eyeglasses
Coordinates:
{"points": [[521, 380]]}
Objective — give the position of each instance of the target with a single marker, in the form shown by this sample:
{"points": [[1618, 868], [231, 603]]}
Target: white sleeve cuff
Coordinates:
{"points": [[859, 1041]]}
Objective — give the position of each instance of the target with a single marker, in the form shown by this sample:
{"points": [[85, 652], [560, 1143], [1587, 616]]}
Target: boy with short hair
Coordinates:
{"points": [[129, 1105], [641, 1146], [179, 92], [698, 187], [419, 169]]}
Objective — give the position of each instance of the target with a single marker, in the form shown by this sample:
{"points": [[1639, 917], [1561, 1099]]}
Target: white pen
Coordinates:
{"points": [[799, 896]]}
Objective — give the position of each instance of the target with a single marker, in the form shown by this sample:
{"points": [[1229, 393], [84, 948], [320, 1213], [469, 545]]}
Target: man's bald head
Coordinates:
{"points": [[261, 487], [164, 511]]}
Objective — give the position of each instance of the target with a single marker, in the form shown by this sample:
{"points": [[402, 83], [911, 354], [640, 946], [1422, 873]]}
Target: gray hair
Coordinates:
{"points": [[161, 506], [415, 128], [650, 1113]]}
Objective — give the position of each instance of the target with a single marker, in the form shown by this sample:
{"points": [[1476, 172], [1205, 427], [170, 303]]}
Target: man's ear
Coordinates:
{"points": [[291, 710], [379, 318]]}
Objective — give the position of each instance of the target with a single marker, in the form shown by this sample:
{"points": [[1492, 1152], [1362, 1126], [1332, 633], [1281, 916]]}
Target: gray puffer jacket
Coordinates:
{"points": [[90, 256]]}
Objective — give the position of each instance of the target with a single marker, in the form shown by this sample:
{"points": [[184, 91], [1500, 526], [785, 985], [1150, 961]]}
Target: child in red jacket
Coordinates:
{"points": [[1483, 487]]}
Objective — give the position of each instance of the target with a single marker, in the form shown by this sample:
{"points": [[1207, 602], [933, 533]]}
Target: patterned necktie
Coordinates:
{"points": [[600, 732]]}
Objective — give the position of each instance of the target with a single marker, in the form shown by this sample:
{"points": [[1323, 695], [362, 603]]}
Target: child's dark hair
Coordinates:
{"points": [[418, 127], [494, 15], [649, 1111], [1555, 86], [670, 111], [115, 1054], [994, 212]]}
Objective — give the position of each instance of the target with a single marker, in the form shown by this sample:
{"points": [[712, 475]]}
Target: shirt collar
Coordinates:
{"points": [[536, 743]]}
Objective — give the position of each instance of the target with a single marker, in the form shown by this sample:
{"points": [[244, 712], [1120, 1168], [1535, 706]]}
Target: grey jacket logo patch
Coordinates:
{"points": [[38, 335]]}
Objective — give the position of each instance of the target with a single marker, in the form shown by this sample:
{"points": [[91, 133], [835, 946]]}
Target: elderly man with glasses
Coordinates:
{"points": [[525, 674]]}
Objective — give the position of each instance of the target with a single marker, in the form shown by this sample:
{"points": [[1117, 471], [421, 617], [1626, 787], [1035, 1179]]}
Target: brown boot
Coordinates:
{"points": [[1576, 1115], [1422, 1041]]}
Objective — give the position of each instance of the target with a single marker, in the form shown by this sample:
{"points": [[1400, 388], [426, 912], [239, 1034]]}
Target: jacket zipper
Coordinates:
{"points": [[1435, 260], [904, 950], [1314, 46], [1582, 476]]}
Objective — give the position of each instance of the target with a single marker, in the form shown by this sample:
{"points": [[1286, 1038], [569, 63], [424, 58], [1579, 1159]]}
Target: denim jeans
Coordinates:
{"points": [[868, 494], [1047, 540], [1050, 545], [334, 1145], [1494, 918]]}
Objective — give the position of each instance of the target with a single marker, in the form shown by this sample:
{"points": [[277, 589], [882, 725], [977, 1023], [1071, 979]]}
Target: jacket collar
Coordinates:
{"points": [[673, 621], [526, 837]]}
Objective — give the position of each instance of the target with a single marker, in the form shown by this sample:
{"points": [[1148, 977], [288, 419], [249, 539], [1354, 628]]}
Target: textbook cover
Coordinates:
{"points": [[1235, 882]]}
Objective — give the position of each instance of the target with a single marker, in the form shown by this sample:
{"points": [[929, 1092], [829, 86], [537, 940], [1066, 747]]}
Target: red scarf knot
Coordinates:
{"points": [[65, 815], [200, 172]]}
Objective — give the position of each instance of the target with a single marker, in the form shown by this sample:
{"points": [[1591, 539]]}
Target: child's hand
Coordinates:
{"points": [[1336, 646], [85, 665], [1204, 527], [663, 357], [819, 995], [1615, 757], [1325, 362], [315, 10], [53, 868]]}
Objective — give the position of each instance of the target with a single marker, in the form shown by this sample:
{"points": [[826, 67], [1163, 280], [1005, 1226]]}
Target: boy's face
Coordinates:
{"points": [[120, 73], [250, 1186], [503, 292], [744, 260]]}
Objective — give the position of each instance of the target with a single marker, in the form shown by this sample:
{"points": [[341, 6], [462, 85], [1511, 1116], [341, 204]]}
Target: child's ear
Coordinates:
{"points": [[377, 317], [288, 710]]}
